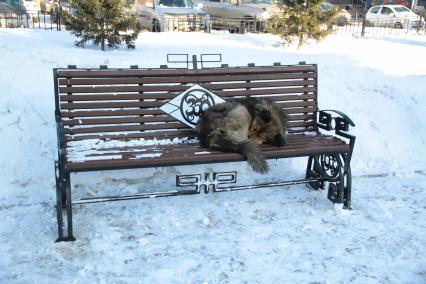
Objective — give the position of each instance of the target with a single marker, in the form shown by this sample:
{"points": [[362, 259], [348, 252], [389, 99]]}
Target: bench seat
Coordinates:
{"points": [[133, 153]]}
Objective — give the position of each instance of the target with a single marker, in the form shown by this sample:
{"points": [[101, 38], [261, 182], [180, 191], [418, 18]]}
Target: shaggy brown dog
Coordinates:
{"points": [[241, 126]]}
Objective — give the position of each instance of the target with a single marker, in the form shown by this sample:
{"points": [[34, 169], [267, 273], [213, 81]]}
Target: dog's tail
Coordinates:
{"points": [[248, 148], [251, 150]]}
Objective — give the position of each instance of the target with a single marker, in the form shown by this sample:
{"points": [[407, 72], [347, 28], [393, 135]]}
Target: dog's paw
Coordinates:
{"points": [[260, 166]]}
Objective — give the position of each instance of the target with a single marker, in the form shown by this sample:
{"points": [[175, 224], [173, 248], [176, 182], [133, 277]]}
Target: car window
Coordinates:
{"points": [[233, 2], [401, 10], [386, 11], [257, 1], [374, 10], [174, 3], [214, 1], [326, 6]]}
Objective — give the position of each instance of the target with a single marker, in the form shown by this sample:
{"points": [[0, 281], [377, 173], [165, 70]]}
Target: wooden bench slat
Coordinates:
{"points": [[110, 113], [174, 88], [265, 92], [152, 104], [122, 128], [120, 120], [81, 73], [209, 79], [187, 155], [172, 125], [178, 153], [65, 83], [176, 150], [164, 134], [123, 97], [143, 119]]}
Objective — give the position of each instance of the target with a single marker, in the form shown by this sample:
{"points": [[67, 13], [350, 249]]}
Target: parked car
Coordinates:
{"points": [[270, 6], [342, 17], [171, 15], [395, 16], [232, 14]]}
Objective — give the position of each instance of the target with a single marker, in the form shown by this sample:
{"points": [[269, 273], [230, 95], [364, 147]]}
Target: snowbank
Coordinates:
{"points": [[270, 236]]}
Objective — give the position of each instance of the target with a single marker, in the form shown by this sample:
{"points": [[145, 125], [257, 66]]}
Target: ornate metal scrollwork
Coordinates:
{"points": [[331, 168], [328, 122], [330, 165], [194, 103], [335, 168], [335, 193], [326, 167]]}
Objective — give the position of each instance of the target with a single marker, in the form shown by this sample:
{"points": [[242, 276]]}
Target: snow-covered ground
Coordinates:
{"points": [[279, 235]]}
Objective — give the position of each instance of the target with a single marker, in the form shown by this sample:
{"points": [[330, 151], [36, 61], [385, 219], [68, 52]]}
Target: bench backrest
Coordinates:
{"points": [[124, 103]]}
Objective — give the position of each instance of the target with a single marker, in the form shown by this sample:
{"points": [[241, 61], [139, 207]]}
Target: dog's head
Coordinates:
{"points": [[269, 122]]}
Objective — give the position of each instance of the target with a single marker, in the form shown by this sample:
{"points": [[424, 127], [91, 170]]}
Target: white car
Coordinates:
{"points": [[171, 15], [395, 16]]}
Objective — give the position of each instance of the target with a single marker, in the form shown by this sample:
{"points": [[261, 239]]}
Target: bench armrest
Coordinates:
{"points": [[342, 122], [340, 126]]}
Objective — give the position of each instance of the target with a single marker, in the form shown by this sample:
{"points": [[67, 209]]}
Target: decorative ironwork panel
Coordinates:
{"points": [[207, 182], [190, 105], [189, 181], [194, 103]]}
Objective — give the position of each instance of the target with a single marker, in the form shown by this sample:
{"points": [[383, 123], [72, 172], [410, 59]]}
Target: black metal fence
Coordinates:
{"points": [[380, 27], [54, 21], [178, 23], [31, 20], [238, 25], [188, 23]]}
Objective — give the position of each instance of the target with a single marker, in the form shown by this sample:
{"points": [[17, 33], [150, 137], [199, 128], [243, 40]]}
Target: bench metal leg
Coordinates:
{"points": [[69, 208], [314, 172], [59, 202], [63, 197], [335, 169], [347, 188]]}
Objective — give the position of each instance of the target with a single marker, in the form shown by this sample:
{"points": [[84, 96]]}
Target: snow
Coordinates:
{"points": [[276, 235], [80, 151]]}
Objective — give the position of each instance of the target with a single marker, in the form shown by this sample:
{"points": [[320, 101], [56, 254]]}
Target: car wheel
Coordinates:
{"points": [[397, 25], [342, 22], [156, 26], [243, 27]]}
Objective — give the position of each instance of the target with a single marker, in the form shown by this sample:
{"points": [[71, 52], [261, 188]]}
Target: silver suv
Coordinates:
{"points": [[170, 15], [271, 6], [231, 14]]}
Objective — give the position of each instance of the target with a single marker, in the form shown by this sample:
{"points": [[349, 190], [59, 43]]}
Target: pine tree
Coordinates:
{"points": [[302, 20], [104, 22]]}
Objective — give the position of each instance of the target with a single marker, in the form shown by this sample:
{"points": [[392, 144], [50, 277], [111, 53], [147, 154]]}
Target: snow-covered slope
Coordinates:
{"points": [[268, 236]]}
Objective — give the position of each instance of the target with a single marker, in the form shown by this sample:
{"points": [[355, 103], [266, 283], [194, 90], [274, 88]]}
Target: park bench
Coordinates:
{"points": [[111, 119]]}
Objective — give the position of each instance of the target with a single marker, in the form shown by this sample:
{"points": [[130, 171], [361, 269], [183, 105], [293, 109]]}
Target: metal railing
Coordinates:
{"points": [[31, 20], [359, 3], [238, 25], [185, 23], [380, 27]]}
